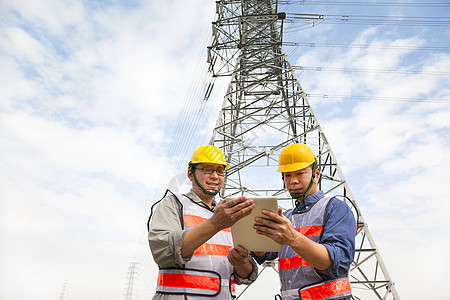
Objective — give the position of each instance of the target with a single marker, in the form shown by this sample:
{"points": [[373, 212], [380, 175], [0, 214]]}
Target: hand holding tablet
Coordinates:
{"points": [[245, 235]]}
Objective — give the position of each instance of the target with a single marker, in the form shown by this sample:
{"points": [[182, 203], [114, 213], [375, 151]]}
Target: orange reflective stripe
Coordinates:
{"points": [[212, 249], [292, 262], [313, 230], [191, 220], [325, 290], [188, 281]]}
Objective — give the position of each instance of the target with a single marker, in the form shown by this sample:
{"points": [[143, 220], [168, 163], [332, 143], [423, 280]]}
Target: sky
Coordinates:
{"points": [[101, 105]]}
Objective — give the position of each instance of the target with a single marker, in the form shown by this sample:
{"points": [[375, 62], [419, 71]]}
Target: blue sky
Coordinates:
{"points": [[101, 105]]}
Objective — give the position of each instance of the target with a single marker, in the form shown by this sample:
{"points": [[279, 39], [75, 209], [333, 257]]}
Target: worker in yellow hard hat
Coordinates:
{"points": [[297, 157], [207, 159], [317, 235], [190, 236]]}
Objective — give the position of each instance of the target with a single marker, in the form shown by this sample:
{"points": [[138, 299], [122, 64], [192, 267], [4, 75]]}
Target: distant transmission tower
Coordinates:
{"points": [[265, 109], [62, 295], [132, 272]]}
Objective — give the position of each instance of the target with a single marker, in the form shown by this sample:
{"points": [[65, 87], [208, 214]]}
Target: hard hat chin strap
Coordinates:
{"points": [[301, 196], [208, 192]]}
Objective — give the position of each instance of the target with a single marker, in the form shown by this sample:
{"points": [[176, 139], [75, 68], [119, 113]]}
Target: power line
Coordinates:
{"points": [[314, 19], [305, 68], [379, 98], [366, 3], [374, 46]]}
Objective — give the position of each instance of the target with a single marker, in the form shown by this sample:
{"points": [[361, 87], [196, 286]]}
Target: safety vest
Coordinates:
{"points": [[299, 279], [208, 273]]}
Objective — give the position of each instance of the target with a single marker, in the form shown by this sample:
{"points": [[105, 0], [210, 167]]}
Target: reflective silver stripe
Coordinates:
{"points": [[290, 294], [186, 291]]}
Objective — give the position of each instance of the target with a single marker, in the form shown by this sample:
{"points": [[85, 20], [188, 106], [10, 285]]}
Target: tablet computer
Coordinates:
{"points": [[245, 235]]}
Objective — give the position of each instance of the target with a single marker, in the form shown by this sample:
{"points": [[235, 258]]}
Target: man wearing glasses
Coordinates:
{"points": [[190, 236]]}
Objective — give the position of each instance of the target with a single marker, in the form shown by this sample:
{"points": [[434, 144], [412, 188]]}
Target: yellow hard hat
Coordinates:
{"points": [[208, 154], [295, 157]]}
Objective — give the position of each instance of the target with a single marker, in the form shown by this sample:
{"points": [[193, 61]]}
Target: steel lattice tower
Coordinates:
{"points": [[265, 109], [132, 272]]}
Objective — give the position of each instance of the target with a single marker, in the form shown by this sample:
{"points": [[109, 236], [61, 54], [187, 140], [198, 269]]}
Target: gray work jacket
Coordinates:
{"points": [[165, 238]]}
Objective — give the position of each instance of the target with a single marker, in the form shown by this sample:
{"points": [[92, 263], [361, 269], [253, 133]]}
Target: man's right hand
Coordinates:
{"points": [[229, 211]]}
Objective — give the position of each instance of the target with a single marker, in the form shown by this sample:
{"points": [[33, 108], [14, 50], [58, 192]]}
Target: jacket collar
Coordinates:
{"points": [[194, 197], [308, 201]]}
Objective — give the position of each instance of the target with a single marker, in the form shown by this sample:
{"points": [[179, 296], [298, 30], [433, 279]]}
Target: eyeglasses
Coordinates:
{"points": [[210, 170]]}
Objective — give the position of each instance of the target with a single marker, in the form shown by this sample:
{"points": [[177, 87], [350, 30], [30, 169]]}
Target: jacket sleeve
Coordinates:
{"points": [[338, 237], [166, 234], [251, 278]]}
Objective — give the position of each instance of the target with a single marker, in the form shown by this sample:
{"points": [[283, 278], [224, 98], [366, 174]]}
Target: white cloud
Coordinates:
{"points": [[50, 14], [26, 48], [52, 148], [89, 92], [88, 95]]}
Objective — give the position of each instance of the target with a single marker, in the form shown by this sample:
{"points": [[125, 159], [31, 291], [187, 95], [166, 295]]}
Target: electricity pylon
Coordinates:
{"points": [[265, 109], [63, 291], [131, 275]]}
